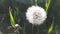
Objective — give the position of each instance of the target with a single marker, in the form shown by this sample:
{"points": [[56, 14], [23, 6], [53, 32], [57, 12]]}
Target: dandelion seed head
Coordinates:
{"points": [[36, 15]]}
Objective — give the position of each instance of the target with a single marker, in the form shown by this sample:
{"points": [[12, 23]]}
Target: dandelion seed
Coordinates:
{"points": [[16, 25], [36, 15]]}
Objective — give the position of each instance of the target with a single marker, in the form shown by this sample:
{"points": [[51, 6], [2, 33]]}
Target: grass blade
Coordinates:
{"points": [[47, 5], [51, 27], [56, 32], [11, 18], [56, 29]]}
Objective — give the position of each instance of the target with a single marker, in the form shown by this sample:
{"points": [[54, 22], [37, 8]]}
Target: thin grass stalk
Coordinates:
{"points": [[47, 5], [56, 29], [11, 17], [12, 20], [51, 27]]}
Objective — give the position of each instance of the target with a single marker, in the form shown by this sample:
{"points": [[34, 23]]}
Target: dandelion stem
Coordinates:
{"points": [[31, 2], [38, 29], [35, 2], [32, 28]]}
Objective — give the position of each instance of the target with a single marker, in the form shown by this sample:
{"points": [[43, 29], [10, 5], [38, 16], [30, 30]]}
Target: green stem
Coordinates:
{"points": [[56, 29], [38, 29], [32, 28], [35, 2], [31, 2], [47, 5], [51, 27]]}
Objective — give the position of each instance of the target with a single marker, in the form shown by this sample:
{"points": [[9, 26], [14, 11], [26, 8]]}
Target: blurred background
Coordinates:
{"points": [[19, 8]]}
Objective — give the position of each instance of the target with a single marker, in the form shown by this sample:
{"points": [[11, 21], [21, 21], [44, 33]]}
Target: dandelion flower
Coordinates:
{"points": [[36, 15]]}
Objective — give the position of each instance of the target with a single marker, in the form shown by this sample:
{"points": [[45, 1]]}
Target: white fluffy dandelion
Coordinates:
{"points": [[36, 15]]}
